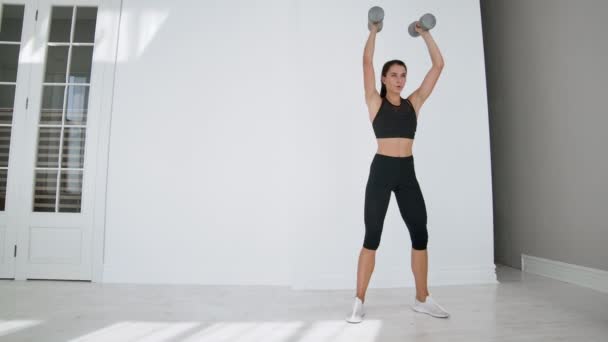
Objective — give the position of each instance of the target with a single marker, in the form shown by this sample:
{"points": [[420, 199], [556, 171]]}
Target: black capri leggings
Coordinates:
{"points": [[394, 174]]}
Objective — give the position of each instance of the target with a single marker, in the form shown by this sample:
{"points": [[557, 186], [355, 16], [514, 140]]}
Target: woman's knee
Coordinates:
{"points": [[372, 239], [371, 244], [420, 238]]}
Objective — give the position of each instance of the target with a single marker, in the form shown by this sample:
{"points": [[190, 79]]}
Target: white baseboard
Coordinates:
{"points": [[384, 277], [583, 276], [393, 277]]}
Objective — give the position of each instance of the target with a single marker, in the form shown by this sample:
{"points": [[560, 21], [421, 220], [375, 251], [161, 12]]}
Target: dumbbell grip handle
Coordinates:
{"points": [[378, 25]]}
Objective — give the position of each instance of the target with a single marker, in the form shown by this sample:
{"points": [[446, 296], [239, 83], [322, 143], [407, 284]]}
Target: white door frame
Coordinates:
{"points": [[109, 18]]}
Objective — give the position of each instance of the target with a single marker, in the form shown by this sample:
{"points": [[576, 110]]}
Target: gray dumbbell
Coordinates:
{"points": [[427, 22], [375, 16]]}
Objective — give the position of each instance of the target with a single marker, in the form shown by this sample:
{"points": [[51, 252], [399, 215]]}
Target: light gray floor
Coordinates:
{"points": [[522, 307]]}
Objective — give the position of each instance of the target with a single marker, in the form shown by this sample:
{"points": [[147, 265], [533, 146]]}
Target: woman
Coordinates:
{"points": [[394, 121]]}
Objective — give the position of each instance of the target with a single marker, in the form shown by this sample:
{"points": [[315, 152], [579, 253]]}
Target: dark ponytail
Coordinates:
{"points": [[383, 91], [385, 68]]}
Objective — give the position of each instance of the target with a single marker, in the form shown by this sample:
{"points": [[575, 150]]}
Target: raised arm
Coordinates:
{"points": [[420, 95], [372, 97]]}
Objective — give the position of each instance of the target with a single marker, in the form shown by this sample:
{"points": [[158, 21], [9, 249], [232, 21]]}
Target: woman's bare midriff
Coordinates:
{"points": [[395, 147]]}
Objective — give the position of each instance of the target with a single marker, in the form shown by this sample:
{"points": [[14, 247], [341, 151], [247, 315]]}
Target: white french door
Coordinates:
{"points": [[50, 199], [15, 20]]}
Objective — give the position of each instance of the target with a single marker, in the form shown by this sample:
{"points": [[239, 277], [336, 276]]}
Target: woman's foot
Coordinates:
{"points": [[357, 313], [429, 306]]}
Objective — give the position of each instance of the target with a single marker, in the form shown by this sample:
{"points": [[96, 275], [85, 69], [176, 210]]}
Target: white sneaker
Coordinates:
{"points": [[429, 306], [358, 312]]}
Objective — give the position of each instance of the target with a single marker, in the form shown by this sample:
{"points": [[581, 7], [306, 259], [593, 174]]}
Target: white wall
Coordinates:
{"points": [[240, 144]]}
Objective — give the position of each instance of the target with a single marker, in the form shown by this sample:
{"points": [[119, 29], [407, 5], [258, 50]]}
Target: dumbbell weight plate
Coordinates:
{"points": [[412, 31], [428, 21], [375, 14]]}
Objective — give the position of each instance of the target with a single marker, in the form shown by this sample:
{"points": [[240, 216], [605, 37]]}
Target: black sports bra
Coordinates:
{"points": [[395, 121]]}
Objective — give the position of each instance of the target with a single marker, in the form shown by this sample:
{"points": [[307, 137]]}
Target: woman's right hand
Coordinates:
{"points": [[373, 27]]}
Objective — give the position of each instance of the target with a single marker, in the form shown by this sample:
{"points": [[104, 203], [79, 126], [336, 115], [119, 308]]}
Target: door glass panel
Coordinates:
{"points": [[85, 24], [48, 147], [52, 105], [77, 105], [12, 23], [60, 161], [73, 148], [56, 64], [10, 46], [45, 191], [80, 68], [9, 59], [7, 103], [61, 24], [70, 197], [3, 174], [5, 141]]}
